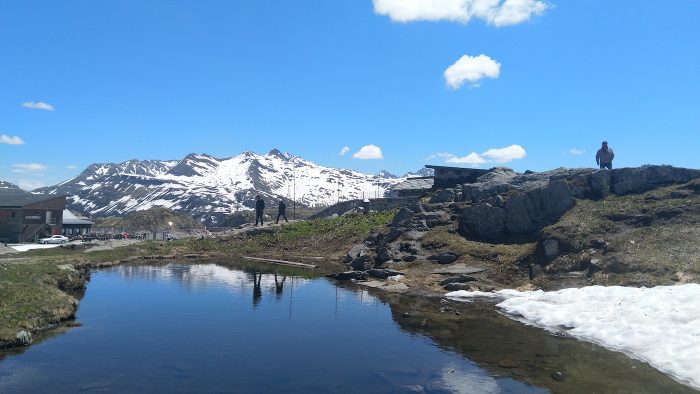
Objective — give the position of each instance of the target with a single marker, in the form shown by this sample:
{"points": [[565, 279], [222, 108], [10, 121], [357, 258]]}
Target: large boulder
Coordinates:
{"points": [[483, 221], [641, 179], [600, 183], [531, 211], [524, 213], [443, 196], [402, 218]]}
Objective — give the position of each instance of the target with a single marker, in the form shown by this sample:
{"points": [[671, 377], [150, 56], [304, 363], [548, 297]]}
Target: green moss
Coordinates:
{"points": [[31, 296]]}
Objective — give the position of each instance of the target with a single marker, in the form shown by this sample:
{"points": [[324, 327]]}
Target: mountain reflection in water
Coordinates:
{"points": [[206, 328]]}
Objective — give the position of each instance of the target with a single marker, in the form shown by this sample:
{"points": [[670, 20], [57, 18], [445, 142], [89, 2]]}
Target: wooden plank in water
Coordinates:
{"points": [[280, 262]]}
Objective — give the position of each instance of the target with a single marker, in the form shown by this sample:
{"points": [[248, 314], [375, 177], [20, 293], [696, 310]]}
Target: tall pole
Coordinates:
{"points": [[338, 189], [294, 204]]}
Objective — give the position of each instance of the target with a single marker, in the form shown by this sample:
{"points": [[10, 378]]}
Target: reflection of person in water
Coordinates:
{"points": [[279, 286], [257, 291]]}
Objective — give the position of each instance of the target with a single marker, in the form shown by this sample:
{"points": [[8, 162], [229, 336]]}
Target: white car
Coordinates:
{"points": [[54, 239]]}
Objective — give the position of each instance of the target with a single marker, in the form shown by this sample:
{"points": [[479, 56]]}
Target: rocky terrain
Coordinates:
{"points": [[210, 189], [555, 229]]}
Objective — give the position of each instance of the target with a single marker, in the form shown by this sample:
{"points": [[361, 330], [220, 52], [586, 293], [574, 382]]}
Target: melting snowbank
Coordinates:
{"points": [[659, 325]]}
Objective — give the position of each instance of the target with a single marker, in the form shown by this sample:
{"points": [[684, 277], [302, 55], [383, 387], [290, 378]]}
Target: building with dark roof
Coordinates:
{"points": [[27, 217]]}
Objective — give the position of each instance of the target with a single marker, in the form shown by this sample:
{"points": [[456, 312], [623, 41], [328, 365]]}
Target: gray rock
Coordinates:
{"points": [[457, 286], [443, 196], [532, 211], [402, 218], [362, 263], [600, 183], [383, 273], [383, 255], [410, 258], [444, 258], [355, 252], [24, 338], [483, 221], [551, 248], [350, 275], [599, 244], [641, 179]]}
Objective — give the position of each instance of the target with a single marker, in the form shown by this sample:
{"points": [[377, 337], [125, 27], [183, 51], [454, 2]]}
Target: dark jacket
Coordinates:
{"points": [[282, 207], [260, 205]]}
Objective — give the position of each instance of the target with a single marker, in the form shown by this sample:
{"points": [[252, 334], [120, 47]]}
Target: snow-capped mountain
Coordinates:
{"points": [[10, 188], [210, 188]]}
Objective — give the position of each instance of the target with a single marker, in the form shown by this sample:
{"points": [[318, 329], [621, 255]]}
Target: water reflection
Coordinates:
{"points": [[142, 333]]}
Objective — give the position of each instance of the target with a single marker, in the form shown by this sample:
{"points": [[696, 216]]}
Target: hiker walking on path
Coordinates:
{"points": [[605, 156], [259, 208], [282, 209]]}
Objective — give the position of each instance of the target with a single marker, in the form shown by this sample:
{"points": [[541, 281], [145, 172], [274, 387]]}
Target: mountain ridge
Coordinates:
{"points": [[210, 188]]}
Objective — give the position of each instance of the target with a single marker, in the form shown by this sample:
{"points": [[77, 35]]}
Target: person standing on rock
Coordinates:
{"points": [[605, 156], [282, 209], [259, 208]]}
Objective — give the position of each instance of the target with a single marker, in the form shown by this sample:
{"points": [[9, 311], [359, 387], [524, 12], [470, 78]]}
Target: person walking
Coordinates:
{"points": [[259, 208], [605, 156], [282, 209]]}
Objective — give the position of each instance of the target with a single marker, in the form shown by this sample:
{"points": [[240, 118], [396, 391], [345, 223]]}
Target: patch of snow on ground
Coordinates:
{"points": [[659, 325], [26, 247]]}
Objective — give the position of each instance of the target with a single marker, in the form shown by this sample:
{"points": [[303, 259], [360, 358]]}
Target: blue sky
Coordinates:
{"points": [[159, 79]]}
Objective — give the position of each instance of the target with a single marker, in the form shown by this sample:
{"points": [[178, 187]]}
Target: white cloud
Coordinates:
{"points": [[71, 166], [369, 152], [345, 150], [494, 12], [471, 69], [576, 152], [11, 140], [494, 155], [504, 155], [29, 167], [38, 105]]}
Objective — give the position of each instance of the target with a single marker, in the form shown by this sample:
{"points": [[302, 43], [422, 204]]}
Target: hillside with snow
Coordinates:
{"points": [[210, 188]]}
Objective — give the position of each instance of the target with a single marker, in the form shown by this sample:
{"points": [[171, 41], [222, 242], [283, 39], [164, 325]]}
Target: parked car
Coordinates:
{"points": [[54, 239]]}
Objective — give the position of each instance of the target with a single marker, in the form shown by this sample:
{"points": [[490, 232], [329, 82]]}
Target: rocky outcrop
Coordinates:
{"points": [[503, 203], [503, 206], [642, 179], [526, 211]]}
